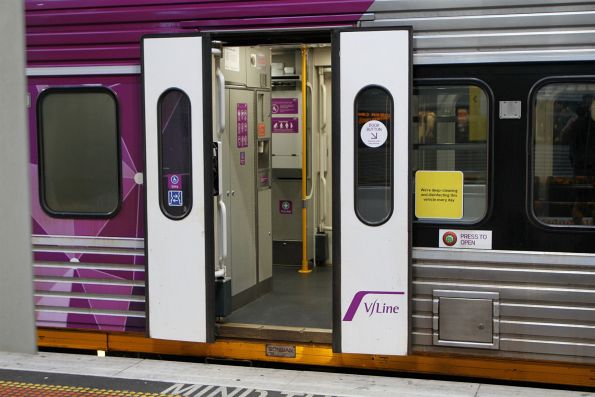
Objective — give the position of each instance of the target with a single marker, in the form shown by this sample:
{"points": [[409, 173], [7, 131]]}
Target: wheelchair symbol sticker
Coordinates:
{"points": [[174, 198], [174, 182]]}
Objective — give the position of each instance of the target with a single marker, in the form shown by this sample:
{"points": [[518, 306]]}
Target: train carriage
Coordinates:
{"points": [[399, 185]]}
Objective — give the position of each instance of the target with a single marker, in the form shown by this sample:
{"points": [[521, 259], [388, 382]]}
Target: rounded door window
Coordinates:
{"points": [[374, 155], [175, 156]]}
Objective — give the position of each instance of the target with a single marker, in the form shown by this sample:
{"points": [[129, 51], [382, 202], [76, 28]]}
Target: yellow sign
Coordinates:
{"points": [[439, 194]]}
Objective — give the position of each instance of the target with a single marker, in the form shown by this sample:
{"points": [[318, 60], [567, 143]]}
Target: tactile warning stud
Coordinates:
{"points": [[22, 389]]}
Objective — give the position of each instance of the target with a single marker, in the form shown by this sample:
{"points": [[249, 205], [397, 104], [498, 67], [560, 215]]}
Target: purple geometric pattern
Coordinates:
{"points": [[128, 223], [108, 32]]}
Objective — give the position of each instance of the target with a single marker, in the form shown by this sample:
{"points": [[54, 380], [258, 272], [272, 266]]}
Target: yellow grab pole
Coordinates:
{"points": [[304, 268]]}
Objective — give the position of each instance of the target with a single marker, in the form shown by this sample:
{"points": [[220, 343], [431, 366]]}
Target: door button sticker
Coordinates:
{"points": [[374, 133]]}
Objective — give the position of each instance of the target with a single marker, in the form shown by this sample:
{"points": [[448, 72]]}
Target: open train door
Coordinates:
{"points": [[178, 179], [371, 215]]}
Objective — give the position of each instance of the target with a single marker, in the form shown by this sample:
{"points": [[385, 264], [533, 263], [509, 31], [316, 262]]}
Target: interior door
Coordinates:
{"points": [[371, 215], [178, 178], [243, 190]]}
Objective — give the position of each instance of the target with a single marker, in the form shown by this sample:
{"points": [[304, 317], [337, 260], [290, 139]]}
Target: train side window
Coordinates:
{"points": [[563, 166], [175, 154], [79, 158], [374, 155], [450, 130]]}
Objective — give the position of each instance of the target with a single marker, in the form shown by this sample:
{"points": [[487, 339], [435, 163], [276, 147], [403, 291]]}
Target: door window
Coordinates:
{"points": [[373, 155], [175, 160]]}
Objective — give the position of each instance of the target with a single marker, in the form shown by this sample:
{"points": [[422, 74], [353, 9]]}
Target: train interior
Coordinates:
{"points": [[261, 286], [262, 151]]}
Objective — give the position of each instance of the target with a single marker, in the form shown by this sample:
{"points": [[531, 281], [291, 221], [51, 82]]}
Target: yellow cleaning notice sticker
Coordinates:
{"points": [[439, 194]]}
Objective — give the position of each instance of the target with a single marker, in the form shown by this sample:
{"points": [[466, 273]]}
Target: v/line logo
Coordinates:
{"points": [[371, 308]]}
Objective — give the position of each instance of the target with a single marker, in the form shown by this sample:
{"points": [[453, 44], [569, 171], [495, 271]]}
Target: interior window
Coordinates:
{"points": [[564, 154], [78, 149], [450, 133]]}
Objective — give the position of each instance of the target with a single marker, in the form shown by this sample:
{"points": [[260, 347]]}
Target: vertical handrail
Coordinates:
{"points": [[304, 268], [220, 90], [223, 217], [221, 97], [322, 148]]}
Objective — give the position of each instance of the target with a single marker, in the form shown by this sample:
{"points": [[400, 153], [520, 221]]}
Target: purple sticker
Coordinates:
{"points": [[285, 125], [174, 182], [242, 158], [285, 207], [284, 106], [242, 127]]}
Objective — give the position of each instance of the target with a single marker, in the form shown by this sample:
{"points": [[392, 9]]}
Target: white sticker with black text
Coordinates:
{"points": [[374, 133], [477, 239]]}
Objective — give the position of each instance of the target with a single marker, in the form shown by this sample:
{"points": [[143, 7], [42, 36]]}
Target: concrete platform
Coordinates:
{"points": [[56, 374]]}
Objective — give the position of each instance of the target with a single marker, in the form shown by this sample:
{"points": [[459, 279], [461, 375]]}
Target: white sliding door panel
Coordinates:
{"points": [[177, 236], [374, 86]]}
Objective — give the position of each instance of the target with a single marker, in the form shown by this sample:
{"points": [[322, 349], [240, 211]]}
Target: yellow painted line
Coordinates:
{"points": [[41, 390]]}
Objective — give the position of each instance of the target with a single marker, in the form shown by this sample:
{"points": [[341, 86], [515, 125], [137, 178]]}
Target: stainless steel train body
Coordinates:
{"points": [[520, 71]]}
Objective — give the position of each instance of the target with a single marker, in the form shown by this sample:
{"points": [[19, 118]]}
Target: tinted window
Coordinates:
{"points": [[450, 133], [79, 162], [373, 155], [564, 154], [175, 178]]}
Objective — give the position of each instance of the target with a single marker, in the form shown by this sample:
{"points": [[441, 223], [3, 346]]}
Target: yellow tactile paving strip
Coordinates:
{"points": [[20, 389]]}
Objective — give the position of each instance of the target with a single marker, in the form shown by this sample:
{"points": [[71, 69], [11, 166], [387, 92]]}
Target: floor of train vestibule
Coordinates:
{"points": [[297, 300], [71, 375]]}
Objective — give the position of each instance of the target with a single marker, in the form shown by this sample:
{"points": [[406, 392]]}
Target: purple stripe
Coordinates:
{"points": [[101, 304], [101, 274], [289, 20], [112, 52], [88, 287], [36, 5], [92, 37], [357, 299], [176, 12], [141, 27]]}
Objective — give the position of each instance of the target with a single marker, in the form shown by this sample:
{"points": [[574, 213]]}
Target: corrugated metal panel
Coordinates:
{"points": [[99, 32], [547, 307], [462, 31], [107, 295], [444, 31], [460, 5]]}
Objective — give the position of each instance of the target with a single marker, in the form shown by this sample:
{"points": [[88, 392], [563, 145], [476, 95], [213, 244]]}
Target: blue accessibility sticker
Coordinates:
{"points": [[174, 198]]}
